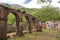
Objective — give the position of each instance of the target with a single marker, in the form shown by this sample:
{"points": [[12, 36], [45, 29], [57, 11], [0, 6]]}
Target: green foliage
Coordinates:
{"points": [[24, 19], [44, 14], [47, 13], [11, 18]]}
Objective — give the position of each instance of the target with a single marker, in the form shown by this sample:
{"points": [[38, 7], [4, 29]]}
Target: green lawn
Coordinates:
{"points": [[46, 34]]}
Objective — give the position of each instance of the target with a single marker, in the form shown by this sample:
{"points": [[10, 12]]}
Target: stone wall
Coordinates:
{"points": [[11, 28]]}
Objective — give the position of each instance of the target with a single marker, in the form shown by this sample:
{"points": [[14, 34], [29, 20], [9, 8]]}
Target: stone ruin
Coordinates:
{"points": [[4, 12]]}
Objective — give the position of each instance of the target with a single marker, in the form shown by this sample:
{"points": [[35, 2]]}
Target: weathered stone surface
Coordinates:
{"points": [[4, 12]]}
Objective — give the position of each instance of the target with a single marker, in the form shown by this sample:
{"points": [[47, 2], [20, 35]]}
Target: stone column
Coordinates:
{"points": [[29, 27], [37, 26], [17, 27], [3, 29], [20, 28], [29, 19], [3, 23]]}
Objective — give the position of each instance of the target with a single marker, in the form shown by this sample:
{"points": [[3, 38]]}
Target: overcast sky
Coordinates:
{"points": [[31, 4]]}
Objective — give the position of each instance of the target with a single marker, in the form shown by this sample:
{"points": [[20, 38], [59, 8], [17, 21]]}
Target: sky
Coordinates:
{"points": [[27, 1], [30, 3]]}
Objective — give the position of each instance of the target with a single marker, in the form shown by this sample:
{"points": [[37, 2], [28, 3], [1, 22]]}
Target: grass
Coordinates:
{"points": [[46, 34]]}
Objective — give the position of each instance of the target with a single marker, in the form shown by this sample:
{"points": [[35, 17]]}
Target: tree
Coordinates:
{"points": [[11, 19], [47, 13]]}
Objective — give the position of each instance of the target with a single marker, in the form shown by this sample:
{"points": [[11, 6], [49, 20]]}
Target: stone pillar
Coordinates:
{"points": [[3, 29], [29, 27], [37, 26], [3, 24], [20, 28], [29, 20], [17, 27]]}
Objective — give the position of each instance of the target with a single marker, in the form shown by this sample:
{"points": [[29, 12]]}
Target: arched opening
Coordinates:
{"points": [[24, 24], [33, 24], [27, 22], [12, 24], [28, 25]]}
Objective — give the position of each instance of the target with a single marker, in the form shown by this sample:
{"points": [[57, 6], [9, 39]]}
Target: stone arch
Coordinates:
{"points": [[18, 20], [28, 21], [4, 11], [35, 21], [37, 25]]}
